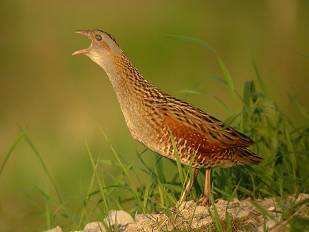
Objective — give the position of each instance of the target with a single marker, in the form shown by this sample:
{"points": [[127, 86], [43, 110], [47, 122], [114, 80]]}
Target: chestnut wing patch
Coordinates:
{"points": [[194, 139], [198, 128]]}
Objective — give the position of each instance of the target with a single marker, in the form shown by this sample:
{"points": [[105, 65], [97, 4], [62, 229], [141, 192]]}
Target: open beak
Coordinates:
{"points": [[86, 33]]}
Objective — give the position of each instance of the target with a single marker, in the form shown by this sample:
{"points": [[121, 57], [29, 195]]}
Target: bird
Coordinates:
{"points": [[166, 125]]}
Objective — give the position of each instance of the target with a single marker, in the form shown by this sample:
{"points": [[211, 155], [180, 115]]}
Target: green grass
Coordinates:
{"points": [[148, 186]]}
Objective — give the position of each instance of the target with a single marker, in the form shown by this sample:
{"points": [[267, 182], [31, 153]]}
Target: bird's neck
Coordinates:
{"points": [[123, 76], [131, 89]]}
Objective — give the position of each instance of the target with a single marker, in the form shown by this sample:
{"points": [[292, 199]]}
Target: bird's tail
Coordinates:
{"points": [[245, 156]]}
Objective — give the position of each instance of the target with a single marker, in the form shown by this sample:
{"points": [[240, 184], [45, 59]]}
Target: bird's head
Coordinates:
{"points": [[103, 46]]}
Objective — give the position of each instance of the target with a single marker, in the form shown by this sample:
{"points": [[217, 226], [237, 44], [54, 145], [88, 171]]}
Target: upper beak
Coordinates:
{"points": [[86, 33]]}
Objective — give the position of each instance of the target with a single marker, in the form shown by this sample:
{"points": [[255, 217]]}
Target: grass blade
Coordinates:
{"points": [[100, 184], [299, 106], [45, 169], [88, 195], [226, 74], [194, 40], [259, 78], [9, 153]]}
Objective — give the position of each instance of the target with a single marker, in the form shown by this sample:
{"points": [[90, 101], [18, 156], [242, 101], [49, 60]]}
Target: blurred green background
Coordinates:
{"points": [[65, 101]]}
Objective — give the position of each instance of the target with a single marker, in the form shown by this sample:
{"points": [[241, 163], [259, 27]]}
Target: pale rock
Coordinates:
{"points": [[94, 227], [118, 217], [190, 216], [56, 229]]}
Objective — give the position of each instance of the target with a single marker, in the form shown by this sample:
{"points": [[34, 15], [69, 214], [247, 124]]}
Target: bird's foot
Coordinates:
{"points": [[204, 201]]}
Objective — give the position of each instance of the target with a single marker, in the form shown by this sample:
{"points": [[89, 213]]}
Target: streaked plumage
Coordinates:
{"points": [[163, 123], [166, 125]]}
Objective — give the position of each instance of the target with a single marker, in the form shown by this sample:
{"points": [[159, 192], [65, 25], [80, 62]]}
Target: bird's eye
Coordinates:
{"points": [[98, 37]]}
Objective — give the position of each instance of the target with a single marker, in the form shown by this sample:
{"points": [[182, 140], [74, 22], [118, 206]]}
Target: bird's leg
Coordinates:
{"points": [[189, 185], [205, 200]]}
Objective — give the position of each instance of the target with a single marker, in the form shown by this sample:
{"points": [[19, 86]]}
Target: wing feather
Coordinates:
{"points": [[187, 122]]}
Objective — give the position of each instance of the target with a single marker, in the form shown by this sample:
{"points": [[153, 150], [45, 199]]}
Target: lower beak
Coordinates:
{"points": [[80, 52], [86, 33]]}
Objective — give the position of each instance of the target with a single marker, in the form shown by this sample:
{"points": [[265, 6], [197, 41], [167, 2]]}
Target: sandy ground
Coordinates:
{"points": [[245, 215]]}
